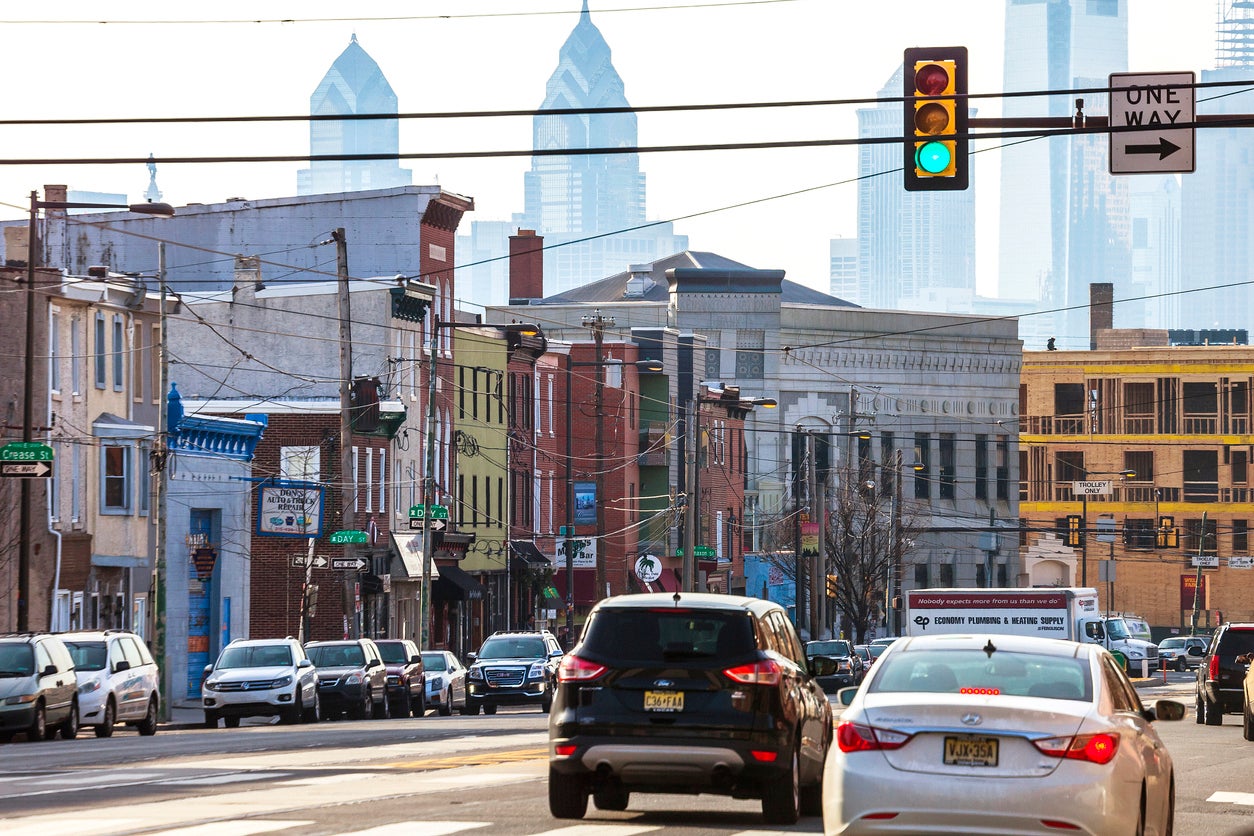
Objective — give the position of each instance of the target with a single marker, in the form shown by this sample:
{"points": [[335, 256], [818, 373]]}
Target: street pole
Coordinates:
{"points": [[817, 501], [692, 456], [428, 489], [1197, 580], [597, 323], [895, 524], [1084, 539], [568, 545], [347, 487], [28, 421], [163, 486]]}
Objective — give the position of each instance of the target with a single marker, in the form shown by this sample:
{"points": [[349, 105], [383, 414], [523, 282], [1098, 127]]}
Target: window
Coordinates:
{"points": [[920, 576], [1068, 399], [1240, 467], [300, 463], [115, 478], [119, 353], [1240, 537], [890, 470], [1201, 476], [1195, 536], [383, 480], [356, 480], [922, 464], [100, 351], [1139, 534], [154, 362], [1140, 462], [54, 353], [144, 483], [946, 575], [76, 356], [981, 467], [139, 361], [948, 468]]}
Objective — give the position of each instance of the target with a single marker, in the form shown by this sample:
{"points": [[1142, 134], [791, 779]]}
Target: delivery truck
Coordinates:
{"points": [[1069, 613]]}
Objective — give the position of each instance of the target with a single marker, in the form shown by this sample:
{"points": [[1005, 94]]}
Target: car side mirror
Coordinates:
{"points": [[1165, 710], [556, 653], [373, 663], [413, 660], [123, 665], [49, 671], [846, 695], [471, 657], [304, 663], [208, 669]]}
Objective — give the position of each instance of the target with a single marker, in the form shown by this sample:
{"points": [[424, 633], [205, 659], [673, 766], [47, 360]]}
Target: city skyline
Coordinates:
{"points": [[793, 50]]}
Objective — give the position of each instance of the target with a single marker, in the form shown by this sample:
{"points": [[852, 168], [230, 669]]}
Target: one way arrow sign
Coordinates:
{"points": [[32, 469], [1144, 112], [352, 564], [437, 525]]}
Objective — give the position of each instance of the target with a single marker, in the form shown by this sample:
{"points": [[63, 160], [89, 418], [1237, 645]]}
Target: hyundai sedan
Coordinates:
{"points": [[998, 734]]}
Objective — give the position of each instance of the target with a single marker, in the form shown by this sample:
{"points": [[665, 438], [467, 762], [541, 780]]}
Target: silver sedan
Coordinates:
{"points": [[998, 735], [445, 679]]}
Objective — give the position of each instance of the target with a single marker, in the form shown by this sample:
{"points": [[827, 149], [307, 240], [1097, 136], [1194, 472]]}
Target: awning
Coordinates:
{"points": [[525, 551], [668, 581], [585, 585], [454, 584], [408, 548], [453, 545]]}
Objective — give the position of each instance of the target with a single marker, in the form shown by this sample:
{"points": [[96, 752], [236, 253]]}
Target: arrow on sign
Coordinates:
{"points": [[1163, 148], [319, 561], [35, 469], [348, 563], [437, 525]]}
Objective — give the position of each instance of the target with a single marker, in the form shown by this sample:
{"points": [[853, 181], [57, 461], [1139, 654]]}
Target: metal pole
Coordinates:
{"points": [[347, 488], [428, 489], [163, 486], [816, 566], [568, 545], [895, 523], [1197, 580], [598, 335], [692, 454], [1084, 539], [28, 421]]}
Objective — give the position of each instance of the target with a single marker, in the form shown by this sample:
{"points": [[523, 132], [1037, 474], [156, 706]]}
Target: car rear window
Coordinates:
{"points": [[393, 652], [433, 661], [974, 671], [87, 656], [836, 647], [662, 635], [337, 656], [1237, 641]]}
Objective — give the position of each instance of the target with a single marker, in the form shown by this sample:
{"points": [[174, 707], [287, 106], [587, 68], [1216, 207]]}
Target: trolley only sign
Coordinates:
{"points": [[1151, 123]]}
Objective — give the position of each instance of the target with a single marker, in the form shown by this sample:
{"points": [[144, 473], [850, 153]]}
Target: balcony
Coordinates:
{"points": [[1138, 424], [655, 442], [1201, 424]]}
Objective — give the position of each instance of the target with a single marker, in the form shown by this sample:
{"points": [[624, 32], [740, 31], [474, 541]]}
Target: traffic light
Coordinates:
{"points": [[1075, 530], [935, 119], [1168, 535], [832, 585]]}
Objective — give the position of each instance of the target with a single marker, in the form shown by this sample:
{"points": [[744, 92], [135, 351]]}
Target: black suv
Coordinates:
{"points": [[351, 678], [1220, 676], [849, 669], [513, 669], [690, 693]]}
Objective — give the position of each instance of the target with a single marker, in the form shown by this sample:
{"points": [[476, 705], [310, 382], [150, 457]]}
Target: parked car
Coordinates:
{"points": [[849, 668], [944, 723], [689, 693], [1182, 652], [352, 678], [118, 681], [405, 681], [38, 689], [513, 668], [864, 653], [445, 681], [1220, 677], [260, 678], [1247, 706]]}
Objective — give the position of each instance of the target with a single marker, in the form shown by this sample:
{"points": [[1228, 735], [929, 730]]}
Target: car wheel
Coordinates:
{"points": [[1140, 818], [612, 797], [419, 708], [382, 710], [1198, 716], [148, 726], [38, 726], [361, 710], [211, 719], [546, 706], [105, 729], [470, 709], [406, 706], [781, 797], [231, 722], [568, 795], [69, 729], [313, 713], [1180, 665], [1169, 827], [489, 709], [1212, 716], [1247, 722], [812, 794]]}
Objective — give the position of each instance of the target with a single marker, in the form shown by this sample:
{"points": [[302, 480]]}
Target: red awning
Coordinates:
{"points": [[668, 581], [585, 585]]}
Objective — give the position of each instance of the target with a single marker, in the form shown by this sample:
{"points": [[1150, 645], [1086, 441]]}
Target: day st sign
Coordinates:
{"points": [[1145, 110]]}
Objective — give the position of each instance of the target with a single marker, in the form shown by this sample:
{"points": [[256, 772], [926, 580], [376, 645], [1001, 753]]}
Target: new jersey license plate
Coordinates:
{"points": [[663, 700], [971, 751]]}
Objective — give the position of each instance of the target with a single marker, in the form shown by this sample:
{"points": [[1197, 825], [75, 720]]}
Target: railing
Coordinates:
{"points": [[1068, 425], [1138, 424], [1201, 491], [1201, 424], [1235, 494], [654, 444], [1240, 424]]}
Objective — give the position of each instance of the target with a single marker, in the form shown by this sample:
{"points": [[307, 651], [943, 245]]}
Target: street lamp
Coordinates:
{"points": [[28, 383], [729, 397]]}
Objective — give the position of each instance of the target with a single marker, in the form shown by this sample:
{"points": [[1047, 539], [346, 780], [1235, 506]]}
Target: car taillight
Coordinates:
{"points": [[574, 669], [1212, 670], [764, 672], [1095, 748], [983, 692], [857, 737]]}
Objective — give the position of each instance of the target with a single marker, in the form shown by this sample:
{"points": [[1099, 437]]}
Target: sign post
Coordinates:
{"points": [[1151, 123]]}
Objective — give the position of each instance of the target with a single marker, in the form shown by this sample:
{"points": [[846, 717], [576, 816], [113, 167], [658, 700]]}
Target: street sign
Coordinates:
{"points": [[344, 537], [25, 469], [25, 451], [439, 516], [1206, 561], [1105, 529], [1104, 488], [1156, 103], [302, 560], [1245, 562], [699, 551], [351, 564]]}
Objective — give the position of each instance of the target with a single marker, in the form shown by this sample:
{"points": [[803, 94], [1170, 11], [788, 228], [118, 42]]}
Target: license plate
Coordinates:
{"points": [[663, 700], [971, 751]]}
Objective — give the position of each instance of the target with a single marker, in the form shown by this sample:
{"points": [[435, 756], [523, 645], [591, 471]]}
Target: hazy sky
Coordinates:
{"points": [[235, 59]]}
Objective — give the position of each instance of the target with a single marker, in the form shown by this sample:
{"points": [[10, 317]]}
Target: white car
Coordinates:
{"points": [[998, 734], [260, 678], [445, 681], [118, 681]]}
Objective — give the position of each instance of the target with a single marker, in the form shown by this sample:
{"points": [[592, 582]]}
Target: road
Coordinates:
{"points": [[434, 775]]}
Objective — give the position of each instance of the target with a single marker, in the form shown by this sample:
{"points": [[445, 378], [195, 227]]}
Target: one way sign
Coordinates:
{"points": [[1151, 123]]}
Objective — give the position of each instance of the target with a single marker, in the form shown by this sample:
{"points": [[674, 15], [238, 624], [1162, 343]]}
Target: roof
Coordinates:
{"points": [[656, 288]]}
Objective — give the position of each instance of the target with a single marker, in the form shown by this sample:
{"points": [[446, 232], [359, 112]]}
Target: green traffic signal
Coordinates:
{"points": [[933, 157]]}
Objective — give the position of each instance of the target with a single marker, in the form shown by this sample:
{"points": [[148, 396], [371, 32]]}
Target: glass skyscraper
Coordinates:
{"points": [[353, 85]]}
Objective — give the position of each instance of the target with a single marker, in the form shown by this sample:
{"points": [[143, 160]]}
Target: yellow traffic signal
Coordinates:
{"points": [[1168, 535], [1075, 531], [935, 111], [833, 582]]}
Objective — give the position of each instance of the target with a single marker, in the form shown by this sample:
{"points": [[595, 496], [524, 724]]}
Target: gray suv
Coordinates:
{"points": [[514, 668], [38, 690]]}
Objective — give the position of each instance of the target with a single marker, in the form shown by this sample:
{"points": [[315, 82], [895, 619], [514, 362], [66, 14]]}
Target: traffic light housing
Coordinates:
{"points": [[1168, 535], [935, 144], [832, 585], [1075, 530]]}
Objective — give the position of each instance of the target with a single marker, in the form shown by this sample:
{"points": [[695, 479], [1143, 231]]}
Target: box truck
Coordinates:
{"points": [[1069, 613]]}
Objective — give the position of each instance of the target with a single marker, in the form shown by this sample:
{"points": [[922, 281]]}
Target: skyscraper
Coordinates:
{"points": [[589, 208], [911, 245], [1054, 190], [353, 85]]}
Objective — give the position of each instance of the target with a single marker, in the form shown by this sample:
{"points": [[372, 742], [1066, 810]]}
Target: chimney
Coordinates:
{"points": [[639, 281], [526, 267], [247, 274], [1101, 310]]}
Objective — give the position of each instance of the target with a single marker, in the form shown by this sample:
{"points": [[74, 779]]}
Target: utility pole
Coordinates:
{"points": [[597, 323], [1197, 580], [347, 488], [428, 487], [692, 460], [161, 453], [568, 545], [819, 511], [894, 521]]}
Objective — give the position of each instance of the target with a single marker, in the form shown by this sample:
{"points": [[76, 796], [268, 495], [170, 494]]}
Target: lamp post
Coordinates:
{"points": [[28, 383], [729, 397]]}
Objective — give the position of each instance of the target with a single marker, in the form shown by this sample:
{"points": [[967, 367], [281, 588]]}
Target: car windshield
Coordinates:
{"points": [[433, 662], [394, 653], [1116, 629], [16, 660], [256, 656], [876, 649], [977, 672], [87, 655], [835, 647], [336, 656], [663, 635], [1170, 644], [512, 647]]}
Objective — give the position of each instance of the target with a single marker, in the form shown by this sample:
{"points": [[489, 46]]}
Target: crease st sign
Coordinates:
{"points": [[1145, 110]]}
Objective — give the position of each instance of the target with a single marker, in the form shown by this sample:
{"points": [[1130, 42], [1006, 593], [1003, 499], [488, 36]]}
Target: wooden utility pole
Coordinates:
{"points": [[347, 488]]}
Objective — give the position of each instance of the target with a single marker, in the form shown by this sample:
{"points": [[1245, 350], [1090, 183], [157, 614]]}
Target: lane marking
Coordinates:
{"points": [[339, 778], [1243, 798], [599, 830], [213, 780], [419, 828], [478, 759], [239, 827]]}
